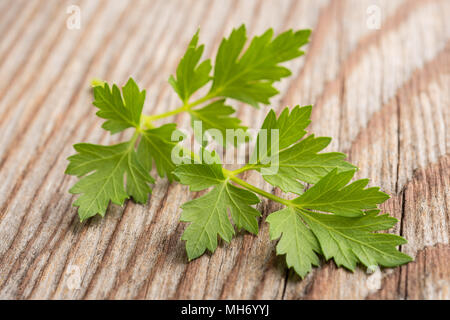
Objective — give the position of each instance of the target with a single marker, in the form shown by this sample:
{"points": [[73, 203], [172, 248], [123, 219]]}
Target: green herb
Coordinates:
{"points": [[334, 217], [209, 213], [297, 159], [248, 76], [109, 167]]}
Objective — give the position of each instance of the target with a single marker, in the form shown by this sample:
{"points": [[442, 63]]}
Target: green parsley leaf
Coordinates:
{"points": [[191, 76], [347, 240], [156, 145], [121, 112], [350, 240], [303, 162], [290, 127], [298, 243], [295, 160], [199, 176], [109, 166], [216, 116], [248, 76], [332, 194], [209, 214]]}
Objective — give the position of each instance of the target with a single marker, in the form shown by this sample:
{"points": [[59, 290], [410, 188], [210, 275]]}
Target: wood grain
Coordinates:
{"points": [[383, 95]]}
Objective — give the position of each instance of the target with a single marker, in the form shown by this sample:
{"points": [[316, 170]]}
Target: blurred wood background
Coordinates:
{"points": [[382, 93]]}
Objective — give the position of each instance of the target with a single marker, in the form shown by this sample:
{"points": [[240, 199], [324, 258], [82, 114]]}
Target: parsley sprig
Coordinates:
{"points": [[334, 217], [244, 75]]}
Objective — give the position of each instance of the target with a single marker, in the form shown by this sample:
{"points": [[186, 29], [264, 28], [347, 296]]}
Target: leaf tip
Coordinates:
{"points": [[96, 82]]}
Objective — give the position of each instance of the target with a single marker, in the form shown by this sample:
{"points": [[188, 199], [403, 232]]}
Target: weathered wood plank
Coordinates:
{"points": [[383, 95]]}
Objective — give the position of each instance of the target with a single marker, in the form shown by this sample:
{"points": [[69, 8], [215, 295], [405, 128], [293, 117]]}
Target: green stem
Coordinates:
{"points": [[147, 120], [201, 100], [247, 167], [230, 175]]}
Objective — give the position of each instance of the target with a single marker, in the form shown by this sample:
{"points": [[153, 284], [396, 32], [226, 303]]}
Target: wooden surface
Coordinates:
{"points": [[382, 94]]}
